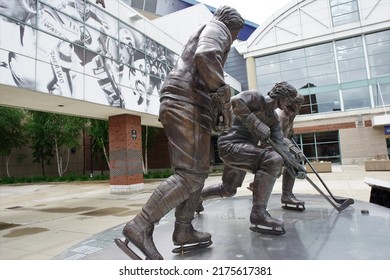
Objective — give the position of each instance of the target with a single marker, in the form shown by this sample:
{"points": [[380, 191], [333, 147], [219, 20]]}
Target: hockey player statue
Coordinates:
{"points": [[255, 120], [287, 116], [186, 113]]}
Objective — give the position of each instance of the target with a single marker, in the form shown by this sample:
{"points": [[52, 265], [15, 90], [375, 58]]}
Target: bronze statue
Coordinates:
{"points": [[287, 116], [193, 90], [255, 120]]}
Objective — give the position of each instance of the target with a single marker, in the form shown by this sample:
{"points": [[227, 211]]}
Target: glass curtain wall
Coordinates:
{"points": [[348, 74], [344, 11], [353, 73], [320, 146], [312, 70], [378, 52]]}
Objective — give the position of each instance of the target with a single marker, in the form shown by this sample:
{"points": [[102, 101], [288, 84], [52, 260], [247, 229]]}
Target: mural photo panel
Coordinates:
{"points": [[17, 70], [100, 20], [75, 49], [136, 38], [19, 10]]}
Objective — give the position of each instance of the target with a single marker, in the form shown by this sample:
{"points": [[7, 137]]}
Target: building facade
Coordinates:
{"points": [[76, 57], [337, 54]]}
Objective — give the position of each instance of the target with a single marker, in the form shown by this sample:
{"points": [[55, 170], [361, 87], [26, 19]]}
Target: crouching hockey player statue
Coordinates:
{"points": [[286, 117], [186, 113], [255, 120]]}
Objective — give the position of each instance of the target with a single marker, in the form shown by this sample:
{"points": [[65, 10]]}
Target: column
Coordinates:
{"points": [[251, 72], [125, 145]]}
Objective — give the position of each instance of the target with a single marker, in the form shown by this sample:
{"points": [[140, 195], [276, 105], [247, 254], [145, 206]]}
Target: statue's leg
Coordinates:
{"points": [[263, 183], [288, 199], [184, 234], [167, 196], [232, 179]]}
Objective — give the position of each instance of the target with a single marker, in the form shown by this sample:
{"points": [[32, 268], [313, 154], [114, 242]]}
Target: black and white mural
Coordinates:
{"points": [[76, 49]]}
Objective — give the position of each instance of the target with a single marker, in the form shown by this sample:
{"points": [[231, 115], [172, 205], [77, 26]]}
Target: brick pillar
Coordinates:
{"points": [[125, 153]]}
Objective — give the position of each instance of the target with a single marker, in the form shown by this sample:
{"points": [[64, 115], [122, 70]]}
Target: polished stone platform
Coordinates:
{"points": [[360, 232]]}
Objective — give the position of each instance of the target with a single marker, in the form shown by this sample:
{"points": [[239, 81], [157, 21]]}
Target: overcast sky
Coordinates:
{"points": [[256, 11]]}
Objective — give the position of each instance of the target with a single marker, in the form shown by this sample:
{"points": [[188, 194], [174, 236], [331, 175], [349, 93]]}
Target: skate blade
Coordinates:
{"points": [[123, 246], [183, 249], [298, 207], [258, 229]]}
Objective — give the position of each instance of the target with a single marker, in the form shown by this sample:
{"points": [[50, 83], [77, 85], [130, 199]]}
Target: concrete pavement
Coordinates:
{"points": [[40, 221]]}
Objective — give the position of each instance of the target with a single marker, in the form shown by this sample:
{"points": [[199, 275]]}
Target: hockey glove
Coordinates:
{"points": [[258, 127], [298, 171], [222, 108], [294, 150]]}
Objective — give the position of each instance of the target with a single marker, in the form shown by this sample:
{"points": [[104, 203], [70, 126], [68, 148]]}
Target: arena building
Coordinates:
{"points": [[76, 57]]}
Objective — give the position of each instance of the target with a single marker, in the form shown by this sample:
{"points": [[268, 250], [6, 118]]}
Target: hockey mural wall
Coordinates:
{"points": [[75, 49]]}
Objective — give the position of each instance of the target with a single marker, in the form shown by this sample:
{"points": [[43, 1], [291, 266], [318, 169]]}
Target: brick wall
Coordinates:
{"points": [[125, 152]]}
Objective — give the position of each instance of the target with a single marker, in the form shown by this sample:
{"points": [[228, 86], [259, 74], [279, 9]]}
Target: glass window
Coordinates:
{"points": [[356, 98], [269, 69], [324, 80], [150, 6], [320, 146], [309, 105], [298, 82], [319, 49], [378, 49], [353, 75], [269, 59], [378, 37], [314, 65], [138, 4], [290, 55], [350, 56], [321, 69], [293, 63], [344, 11], [320, 59], [381, 94], [380, 71], [293, 74]]}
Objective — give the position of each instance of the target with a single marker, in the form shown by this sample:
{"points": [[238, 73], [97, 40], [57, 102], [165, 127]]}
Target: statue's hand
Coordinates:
{"points": [[222, 108], [298, 171]]}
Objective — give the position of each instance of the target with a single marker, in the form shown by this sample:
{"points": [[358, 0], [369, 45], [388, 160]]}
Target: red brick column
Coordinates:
{"points": [[125, 153]]}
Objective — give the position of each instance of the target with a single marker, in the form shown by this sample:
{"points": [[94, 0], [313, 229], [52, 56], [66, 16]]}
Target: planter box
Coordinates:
{"points": [[320, 167], [377, 165]]}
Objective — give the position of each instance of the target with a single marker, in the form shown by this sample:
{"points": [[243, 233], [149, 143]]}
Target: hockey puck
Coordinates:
{"points": [[365, 212]]}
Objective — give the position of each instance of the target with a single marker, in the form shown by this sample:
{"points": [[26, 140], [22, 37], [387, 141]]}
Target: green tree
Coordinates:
{"points": [[98, 129], [40, 135], [12, 132], [67, 134], [54, 134]]}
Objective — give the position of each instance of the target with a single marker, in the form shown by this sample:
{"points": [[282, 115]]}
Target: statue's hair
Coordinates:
{"points": [[298, 100], [282, 89], [230, 17]]}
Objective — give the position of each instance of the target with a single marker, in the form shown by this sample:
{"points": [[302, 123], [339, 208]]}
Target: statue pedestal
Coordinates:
{"points": [[318, 233]]}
